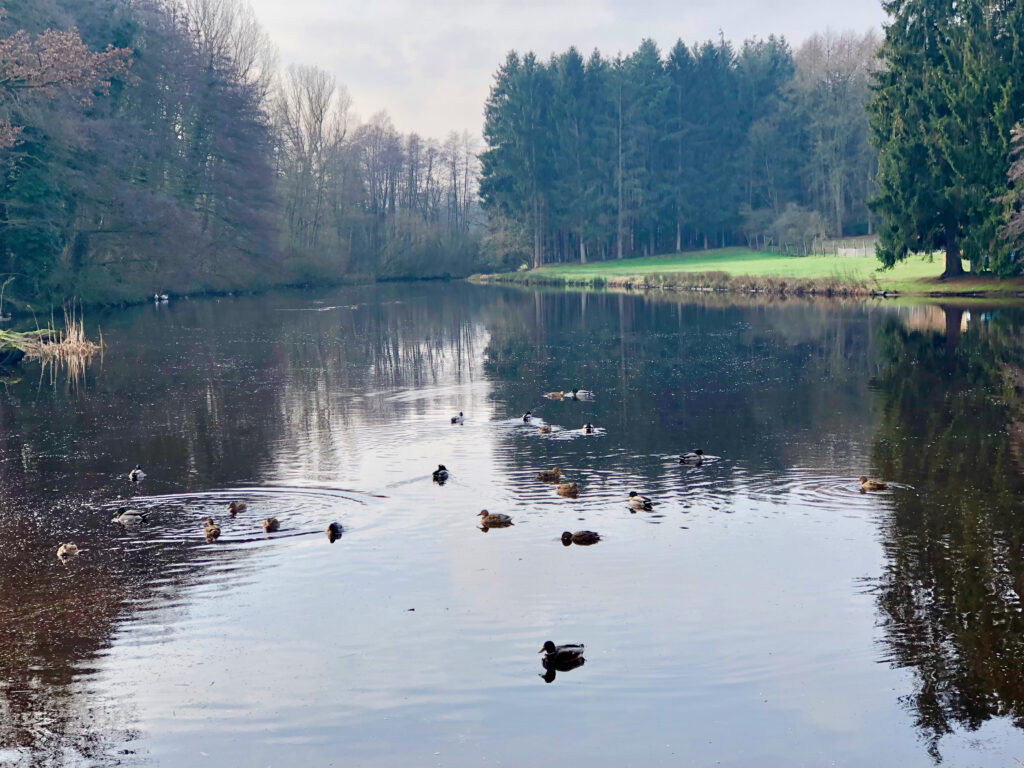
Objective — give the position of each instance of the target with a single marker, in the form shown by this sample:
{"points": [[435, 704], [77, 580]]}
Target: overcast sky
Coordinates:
{"points": [[429, 63]]}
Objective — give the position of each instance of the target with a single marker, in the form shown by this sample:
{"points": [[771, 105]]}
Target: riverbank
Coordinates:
{"points": [[745, 271]]}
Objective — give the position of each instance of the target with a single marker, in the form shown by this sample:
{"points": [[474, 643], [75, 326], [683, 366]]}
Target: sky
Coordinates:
{"points": [[430, 63]]}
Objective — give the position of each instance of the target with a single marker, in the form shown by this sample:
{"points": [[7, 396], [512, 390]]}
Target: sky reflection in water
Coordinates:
{"points": [[742, 621]]}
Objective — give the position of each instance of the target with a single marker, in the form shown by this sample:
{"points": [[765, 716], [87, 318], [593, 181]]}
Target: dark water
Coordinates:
{"points": [[764, 613]]}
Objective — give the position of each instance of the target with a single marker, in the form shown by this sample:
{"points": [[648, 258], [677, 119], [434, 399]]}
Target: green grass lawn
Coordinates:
{"points": [[917, 274]]}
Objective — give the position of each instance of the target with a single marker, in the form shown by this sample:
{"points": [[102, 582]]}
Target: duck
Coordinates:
{"points": [[588, 429], [129, 516], [569, 490], [441, 473], [527, 417], [549, 475], [236, 506], [136, 475], [872, 484], [494, 519], [270, 525], [582, 394], [211, 530], [555, 395], [583, 538], [333, 532], [692, 457], [458, 419], [544, 429], [636, 501], [65, 551], [555, 655]]}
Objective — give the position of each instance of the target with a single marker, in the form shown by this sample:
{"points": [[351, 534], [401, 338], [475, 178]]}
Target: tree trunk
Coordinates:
{"points": [[583, 248], [618, 180], [954, 268]]}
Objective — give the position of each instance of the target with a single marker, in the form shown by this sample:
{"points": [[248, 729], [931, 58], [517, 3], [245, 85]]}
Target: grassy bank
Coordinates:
{"points": [[740, 269]]}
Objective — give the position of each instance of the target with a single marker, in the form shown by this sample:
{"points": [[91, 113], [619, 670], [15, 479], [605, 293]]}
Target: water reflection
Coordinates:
{"points": [[951, 588], [335, 409]]}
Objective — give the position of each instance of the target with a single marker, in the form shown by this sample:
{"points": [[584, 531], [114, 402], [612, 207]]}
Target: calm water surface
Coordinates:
{"points": [[764, 613]]}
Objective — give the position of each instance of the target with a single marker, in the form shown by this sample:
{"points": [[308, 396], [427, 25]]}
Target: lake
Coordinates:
{"points": [[764, 612]]}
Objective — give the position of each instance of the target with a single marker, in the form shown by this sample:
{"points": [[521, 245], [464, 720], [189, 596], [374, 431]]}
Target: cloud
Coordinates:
{"points": [[430, 62]]}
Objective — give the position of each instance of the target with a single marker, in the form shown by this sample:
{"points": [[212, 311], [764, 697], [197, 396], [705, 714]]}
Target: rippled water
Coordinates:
{"points": [[764, 612]]}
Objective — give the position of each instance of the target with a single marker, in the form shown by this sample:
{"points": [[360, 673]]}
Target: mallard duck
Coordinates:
{"points": [[333, 532], [588, 429], [569, 490], [458, 419], [211, 530], [136, 474], [527, 416], [549, 475], [560, 654], [872, 484], [65, 551], [440, 474], [129, 516], [494, 519], [636, 501], [235, 507], [270, 525], [555, 395], [583, 538], [582, 394], [692, 457], [544, 429]]}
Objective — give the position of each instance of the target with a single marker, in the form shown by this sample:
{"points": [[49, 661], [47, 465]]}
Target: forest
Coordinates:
{"points": [[157, 146], [153, 146], [705, 146]]}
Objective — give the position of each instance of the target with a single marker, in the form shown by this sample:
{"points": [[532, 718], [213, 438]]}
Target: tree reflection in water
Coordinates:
{"points": [[950, 591]]}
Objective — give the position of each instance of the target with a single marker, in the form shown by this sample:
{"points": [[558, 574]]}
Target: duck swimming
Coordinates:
{"points": [[211, 530], [527, 416], [440, 474], [872, 484], [494, 519], [569, 490], [555, 395], [333, 532], [636, 501], [270, 525], [235, 507], [692, 457], [129, 516], [549, 475], [560, 654], [582, 394], [64, 551], [544, 429], [458, 419], [583, 538], [136, 474]]}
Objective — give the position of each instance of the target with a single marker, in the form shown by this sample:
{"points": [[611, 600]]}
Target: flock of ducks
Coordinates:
{"points": [[557, 658], [127, 517]]}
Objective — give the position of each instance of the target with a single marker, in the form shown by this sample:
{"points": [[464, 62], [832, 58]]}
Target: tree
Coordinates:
{"points": [[1013, 230], [54, 61], [943, 104]]}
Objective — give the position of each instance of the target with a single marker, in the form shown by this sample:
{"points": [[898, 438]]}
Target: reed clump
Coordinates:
{"points": [[66, 345]]}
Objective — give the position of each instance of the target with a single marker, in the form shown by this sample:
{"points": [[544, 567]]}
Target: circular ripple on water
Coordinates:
{"points": [[809, 488], [178, 518]]}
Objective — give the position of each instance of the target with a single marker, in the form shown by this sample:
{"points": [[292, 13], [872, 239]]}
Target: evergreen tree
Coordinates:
{"points": [[941, 114]]}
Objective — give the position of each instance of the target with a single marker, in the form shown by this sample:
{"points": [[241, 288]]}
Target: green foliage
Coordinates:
{"points": [[944, 103], [650, 153]]}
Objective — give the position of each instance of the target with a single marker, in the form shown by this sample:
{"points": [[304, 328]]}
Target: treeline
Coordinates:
{"points": [[704, 146], [205, 168]]}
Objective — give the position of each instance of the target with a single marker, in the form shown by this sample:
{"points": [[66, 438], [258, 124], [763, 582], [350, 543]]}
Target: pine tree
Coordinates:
{"points": [[941, 114]]}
